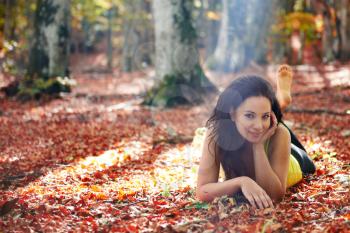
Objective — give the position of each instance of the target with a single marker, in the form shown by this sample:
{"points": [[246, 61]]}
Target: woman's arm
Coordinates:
{"points": [[207, 192], [208, 186], [271, 171]]}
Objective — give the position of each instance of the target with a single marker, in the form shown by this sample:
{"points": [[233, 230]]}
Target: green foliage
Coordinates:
{"points": [[179, 89], [94, 13], [15, 32], [299, 5], [167, 93], [198, 205], [35, 88], [297, 21]]}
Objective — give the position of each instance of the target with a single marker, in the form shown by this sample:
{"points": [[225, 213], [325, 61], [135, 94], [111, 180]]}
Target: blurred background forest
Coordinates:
{"points": [[42, 40]]}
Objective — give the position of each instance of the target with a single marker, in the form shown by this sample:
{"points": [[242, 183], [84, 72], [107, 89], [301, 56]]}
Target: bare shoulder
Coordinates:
{"points": [[208, 167], [282, 133], [208, 149], [281, 139]]}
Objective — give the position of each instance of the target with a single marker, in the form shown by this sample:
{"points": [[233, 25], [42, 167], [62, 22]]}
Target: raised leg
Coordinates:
{"points": [[284, 84]]}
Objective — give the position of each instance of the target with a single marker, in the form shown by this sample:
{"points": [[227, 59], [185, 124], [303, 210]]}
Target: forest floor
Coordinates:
{"points": [[96, 160]]}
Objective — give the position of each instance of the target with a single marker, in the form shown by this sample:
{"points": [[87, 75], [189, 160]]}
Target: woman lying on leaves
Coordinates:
{"points": [[259, 154]]}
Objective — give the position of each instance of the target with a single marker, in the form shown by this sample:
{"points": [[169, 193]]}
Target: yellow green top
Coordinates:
{"points": [[295, 174]]}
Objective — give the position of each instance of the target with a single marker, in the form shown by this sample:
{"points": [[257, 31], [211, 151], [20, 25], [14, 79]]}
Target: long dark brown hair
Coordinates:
{"points": [[228, 143]]}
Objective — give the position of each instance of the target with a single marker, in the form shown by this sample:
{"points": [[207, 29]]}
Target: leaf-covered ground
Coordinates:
{"points": [[97, 161]]}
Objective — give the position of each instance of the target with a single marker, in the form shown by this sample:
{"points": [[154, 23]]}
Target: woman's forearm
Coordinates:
{"points": [[264, 174], [209, 191]]}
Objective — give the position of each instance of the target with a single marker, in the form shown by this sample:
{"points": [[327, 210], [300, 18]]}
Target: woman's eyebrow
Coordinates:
{"points": [[248, 111]]}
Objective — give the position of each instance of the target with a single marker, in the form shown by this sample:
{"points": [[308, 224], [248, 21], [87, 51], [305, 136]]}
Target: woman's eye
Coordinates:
{"points": [[266, 117], [249, 116]]}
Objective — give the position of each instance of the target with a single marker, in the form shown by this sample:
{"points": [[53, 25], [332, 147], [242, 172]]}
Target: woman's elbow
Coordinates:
{"points": [[203, 196], [278, 196]]}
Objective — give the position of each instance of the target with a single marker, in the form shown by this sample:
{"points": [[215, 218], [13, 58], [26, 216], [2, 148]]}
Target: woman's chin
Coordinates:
{"points": [[253, 139]]}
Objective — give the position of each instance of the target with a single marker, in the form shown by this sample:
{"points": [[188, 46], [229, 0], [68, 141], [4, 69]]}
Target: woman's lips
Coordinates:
{"points": [[254, 134]]}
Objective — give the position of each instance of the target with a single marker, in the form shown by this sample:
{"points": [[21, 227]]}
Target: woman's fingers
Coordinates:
{"points": [[258, 200], [269, 200], [262, 200], [250, 199], [265, 201]]}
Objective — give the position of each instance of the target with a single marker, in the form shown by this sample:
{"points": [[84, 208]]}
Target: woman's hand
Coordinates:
{"points": [[255, 194], [271, 131]]}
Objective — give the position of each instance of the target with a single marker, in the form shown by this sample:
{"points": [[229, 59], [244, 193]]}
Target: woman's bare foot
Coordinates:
{"points": [[284, 84]]}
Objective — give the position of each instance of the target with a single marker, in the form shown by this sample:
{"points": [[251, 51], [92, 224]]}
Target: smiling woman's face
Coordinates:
{"points": [[252, 118]]}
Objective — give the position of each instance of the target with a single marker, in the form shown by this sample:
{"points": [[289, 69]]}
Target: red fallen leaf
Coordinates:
{"points": [[112, 175], [346, 216], [320, 172], [86, 179], [131, 198], [89, 219], [98, 175], [186, 189], [182, 204], [160, 202], [64, 210], [172, 222], [161, 210], [132, 227]]}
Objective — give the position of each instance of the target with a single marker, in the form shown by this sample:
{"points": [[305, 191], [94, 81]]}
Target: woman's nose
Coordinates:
{"points": [[258, 125]]}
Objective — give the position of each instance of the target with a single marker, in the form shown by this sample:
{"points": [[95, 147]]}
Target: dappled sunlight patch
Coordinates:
{"points": [[173, 170], [86, 175], [128, 152]]}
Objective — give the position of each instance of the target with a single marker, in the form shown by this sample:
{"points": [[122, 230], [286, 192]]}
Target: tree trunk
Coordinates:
{"points": [[2, 22], [131, 35], [49, 53], [179, 77], [343, 12], [212, 31], [138, 47], [223, 49], [110, 15], [347, 40], [50, 48], [243, 34], [10, 20], [327, 36]]}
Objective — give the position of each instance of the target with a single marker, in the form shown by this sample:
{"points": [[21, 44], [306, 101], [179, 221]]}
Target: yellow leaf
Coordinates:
{"points": [[212, 15], [95, 188]]}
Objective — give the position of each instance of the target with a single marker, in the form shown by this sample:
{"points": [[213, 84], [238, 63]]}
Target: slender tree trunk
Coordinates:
{"points": [[3, 22], [132, 36], [211, 30], [243, 34], [50, 48], [343, 12], [223, 50], [109, 39], [327, 37], [179, 77], [347, 40], [10, 20]]}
